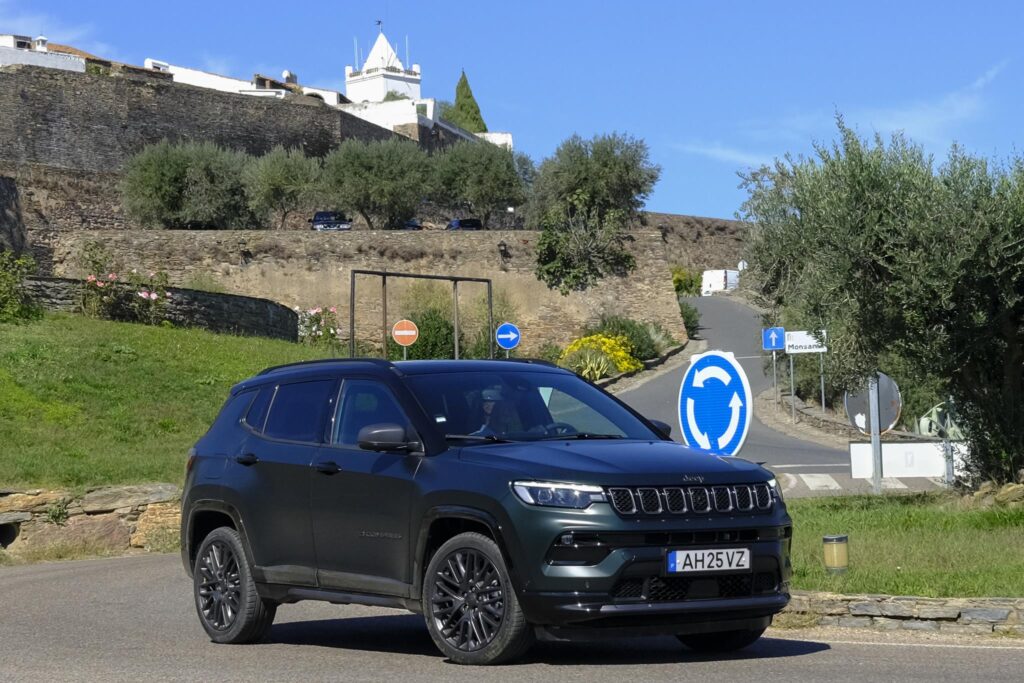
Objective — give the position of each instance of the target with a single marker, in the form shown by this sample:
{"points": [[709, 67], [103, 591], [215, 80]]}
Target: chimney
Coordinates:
{"points": [[289, 77]]}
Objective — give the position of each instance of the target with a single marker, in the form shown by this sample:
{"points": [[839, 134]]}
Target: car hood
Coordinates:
{"points": [[614, 461]]}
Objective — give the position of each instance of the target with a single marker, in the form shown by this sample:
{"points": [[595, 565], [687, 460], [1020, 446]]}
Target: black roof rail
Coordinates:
{"points": [[532, 361], [380, 362]]}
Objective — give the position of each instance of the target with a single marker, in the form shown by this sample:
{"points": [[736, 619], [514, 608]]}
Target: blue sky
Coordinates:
{"points": [[712, 87]]}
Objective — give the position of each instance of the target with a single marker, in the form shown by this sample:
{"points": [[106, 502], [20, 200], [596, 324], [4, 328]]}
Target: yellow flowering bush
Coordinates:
{"points": [[617, 348]]}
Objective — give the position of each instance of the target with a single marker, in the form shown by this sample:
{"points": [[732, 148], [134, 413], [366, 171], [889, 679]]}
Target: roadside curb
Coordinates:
{"points": [[910, 613], [647, 365]]}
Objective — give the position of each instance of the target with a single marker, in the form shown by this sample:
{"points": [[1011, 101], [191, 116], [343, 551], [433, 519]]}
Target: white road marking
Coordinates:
{"points": [[938, 645], [820, 482], [788, 482], [783, 467], [892, 483]]}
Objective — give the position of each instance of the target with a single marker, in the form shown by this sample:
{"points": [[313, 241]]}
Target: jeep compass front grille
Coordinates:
{"points": [[700, 500]]}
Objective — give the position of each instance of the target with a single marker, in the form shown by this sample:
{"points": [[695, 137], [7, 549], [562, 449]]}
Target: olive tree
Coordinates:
{"points": [[478, 177], [280, 183], [908, 262]]}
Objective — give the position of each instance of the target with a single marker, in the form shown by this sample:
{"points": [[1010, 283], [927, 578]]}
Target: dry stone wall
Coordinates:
{"points": [[309, 269]]}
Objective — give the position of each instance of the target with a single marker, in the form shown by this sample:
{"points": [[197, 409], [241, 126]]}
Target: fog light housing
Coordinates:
{"points": [[836, 553]]}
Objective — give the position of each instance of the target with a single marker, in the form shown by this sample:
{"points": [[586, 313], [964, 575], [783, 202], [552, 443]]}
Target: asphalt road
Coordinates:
{"points": [[728, 325], [132, 619]]}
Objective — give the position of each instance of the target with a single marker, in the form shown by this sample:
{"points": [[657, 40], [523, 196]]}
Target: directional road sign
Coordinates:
{"points": [[715, 404], [507, 335], [773, 338], [801, 341], [405, 333]]}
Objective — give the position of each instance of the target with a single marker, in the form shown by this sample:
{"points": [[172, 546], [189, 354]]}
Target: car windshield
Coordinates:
{"points": [[326, 216], [523, 406]]}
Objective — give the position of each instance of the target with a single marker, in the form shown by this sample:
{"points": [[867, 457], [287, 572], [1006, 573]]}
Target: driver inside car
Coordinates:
{"points": [[498, 414]]}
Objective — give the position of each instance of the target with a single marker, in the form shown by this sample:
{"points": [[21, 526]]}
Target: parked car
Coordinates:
{"points": [[502, 500], [464, 224], [412, 224], [330, 220]]}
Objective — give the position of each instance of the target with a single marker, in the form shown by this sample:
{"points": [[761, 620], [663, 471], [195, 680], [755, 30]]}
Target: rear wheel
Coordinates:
{"points": [[229, 608], [470, 606], [723, 641]]}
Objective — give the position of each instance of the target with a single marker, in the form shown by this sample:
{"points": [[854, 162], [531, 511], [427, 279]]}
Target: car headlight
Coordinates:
{"points": [[558, 495], [773, 484]]}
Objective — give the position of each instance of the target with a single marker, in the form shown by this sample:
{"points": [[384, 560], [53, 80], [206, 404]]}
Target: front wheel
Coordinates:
{"points": [[469, 604], [229, 608], [724, 641]]}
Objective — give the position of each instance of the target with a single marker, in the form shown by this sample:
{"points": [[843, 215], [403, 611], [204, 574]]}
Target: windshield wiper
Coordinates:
{"points": [[478, 437], [580, 435]]}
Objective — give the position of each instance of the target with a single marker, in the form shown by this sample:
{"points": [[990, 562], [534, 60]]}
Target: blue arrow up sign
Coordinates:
{"points": [[715, 404], [773, 339]]}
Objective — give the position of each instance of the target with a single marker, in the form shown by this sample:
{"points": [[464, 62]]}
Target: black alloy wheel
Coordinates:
{"points": [[470, 606], [219, 586], [468, 602], [229, 607]]}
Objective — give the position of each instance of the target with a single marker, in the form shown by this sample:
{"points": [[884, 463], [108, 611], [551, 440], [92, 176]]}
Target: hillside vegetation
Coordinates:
{"points": [[88, 402]]}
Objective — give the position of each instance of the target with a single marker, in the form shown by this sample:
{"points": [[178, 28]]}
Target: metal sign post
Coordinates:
{"points": [[774, 339], [792, 389], [821, 376], [775, 381], [876, 435]]}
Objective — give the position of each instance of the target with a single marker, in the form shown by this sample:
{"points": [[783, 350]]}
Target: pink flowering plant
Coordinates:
{"points": [[150, 297], [136, 296], [100, 295], [320, 327]]}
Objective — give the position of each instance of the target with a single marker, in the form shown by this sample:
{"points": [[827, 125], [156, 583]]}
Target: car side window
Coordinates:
{"points": [[570, 410], [298, 409], [364, 402], [257, 413]]}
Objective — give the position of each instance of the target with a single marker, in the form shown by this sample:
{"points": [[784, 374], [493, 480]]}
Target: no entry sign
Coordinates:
{"points": [[405, 333]]}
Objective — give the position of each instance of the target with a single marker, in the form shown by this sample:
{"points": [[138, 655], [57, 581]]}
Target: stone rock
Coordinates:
{"points": [[865, 609], [94, 533], [948, 611], [917, 625], [886, 624], [896, 609], [1014, 629], [156, 523], [986, 614], [113, 498], [854, 622], [15, 517], [1010, 494], [985, 489], [30, 501], [829, 607]]}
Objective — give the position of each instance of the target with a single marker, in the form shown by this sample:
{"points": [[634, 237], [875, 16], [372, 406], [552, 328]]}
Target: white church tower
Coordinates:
{"points": [[382, 73]]}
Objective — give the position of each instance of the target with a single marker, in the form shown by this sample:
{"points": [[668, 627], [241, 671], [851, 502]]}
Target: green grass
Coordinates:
{"points": [[911, 545], [87, 402]]}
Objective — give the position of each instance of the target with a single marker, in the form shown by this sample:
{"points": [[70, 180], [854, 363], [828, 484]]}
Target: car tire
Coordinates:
{"points": [[470, 606], [722, 641], [229, 608]]}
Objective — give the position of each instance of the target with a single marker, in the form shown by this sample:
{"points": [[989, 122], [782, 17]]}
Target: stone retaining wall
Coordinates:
{"points": [[885, 612], [228, 313]]}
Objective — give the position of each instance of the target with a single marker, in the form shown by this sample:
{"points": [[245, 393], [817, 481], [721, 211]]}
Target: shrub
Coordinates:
{"points": [[550, 352], [686, 283], [589, 363], [137, 297], [618, 350], [637, 333], [663, 341], [436, 340], [15, 303], [691, 318], [320, 327]]}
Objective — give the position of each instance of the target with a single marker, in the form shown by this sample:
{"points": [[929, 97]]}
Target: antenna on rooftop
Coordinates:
{"points": [[408, 64], [355, 49]]}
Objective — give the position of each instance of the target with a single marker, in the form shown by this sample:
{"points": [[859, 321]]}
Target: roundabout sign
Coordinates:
{"points": [[715, 404]]}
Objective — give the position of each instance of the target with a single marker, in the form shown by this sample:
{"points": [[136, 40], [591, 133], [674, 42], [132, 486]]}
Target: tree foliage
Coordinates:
{"points": [[478, 177], [383, 181], [575, 250], [15, 303], [280, 183], [189, 185], [905, 264], [465, 113], [606, 174]]}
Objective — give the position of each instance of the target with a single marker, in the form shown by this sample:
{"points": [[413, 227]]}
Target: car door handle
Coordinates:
{"points": [[247, 459], [328, 467]]}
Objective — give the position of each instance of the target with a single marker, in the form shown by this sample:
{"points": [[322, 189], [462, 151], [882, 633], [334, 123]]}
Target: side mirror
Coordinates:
{"points": [[663, 427], [385, 436]]}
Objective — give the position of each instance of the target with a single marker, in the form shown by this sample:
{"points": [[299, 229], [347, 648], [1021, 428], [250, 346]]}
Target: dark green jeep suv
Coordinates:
{"points": [[503, 500]]}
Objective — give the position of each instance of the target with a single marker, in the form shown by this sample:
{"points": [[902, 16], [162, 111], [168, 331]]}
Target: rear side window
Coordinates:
{"points": [[297, 411], [257, 414]]}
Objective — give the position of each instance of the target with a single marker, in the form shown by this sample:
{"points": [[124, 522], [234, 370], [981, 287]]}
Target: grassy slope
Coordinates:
{"points": [[87, 402], [911, 545]]}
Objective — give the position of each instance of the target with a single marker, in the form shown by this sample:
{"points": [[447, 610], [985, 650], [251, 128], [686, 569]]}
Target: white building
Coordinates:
{"points": [[15, 49], [259, 86], [382, 73]]}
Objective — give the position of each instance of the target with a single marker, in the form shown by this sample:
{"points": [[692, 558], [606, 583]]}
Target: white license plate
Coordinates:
{"points": [[725, 560]]}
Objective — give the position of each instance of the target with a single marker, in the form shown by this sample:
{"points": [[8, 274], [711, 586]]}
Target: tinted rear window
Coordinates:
{"points": [[297, 412], [257, 414]]}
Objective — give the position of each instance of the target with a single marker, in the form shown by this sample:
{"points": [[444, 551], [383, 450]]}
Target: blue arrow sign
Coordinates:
{"points": [[507, 335], [773, 338], [715, 404]]}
